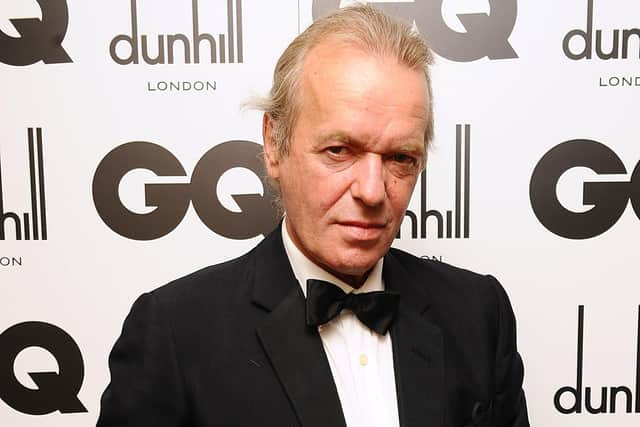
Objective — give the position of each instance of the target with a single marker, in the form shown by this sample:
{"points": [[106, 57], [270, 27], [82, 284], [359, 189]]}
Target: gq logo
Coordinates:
{"points": [[171, 200], [486, 35], [57, 391], [609, 198], [39, 39]]}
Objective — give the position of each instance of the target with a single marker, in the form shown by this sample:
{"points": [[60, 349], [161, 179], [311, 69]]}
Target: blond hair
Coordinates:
{"points": [[364, 27]]}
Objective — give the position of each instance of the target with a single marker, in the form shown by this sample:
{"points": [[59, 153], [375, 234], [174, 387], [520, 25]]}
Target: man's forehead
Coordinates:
{"points": [[334, 50], [338, 64]]}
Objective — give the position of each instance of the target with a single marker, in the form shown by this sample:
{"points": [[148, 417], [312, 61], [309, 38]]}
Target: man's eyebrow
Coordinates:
{"points": [[413, 146], [335, 136]]}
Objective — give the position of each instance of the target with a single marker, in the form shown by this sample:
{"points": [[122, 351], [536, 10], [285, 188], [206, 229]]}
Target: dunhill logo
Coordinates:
{"points": [[227, 48], [454, 223], [609, 399], [31, 226], [619, 48]]}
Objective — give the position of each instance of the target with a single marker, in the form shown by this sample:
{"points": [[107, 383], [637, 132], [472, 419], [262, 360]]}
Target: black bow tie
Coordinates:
{"points": [[375, 309]]}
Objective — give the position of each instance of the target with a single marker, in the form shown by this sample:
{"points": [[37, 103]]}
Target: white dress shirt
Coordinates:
{"points": [[361, 360]]}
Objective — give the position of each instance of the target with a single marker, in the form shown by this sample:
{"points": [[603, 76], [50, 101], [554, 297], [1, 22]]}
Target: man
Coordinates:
{"points": [[298, 332]]}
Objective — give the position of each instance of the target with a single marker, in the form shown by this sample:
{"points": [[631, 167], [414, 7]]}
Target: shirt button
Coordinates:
{"points": [[364, 360]]}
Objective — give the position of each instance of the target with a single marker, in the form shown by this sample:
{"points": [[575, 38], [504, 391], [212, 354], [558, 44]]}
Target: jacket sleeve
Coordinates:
{"points": [[510, 406], [146, 386]]}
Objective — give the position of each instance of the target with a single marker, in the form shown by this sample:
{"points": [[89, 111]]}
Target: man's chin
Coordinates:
{"points": [[352, 270]]}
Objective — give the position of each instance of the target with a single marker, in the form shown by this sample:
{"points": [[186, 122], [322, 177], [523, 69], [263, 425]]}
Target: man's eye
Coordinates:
{"points": [[403, 158], [403, 164], [337, 150]]}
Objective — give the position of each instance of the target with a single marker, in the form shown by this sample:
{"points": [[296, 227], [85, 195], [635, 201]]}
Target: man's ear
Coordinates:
{"points": [[271, 155]]}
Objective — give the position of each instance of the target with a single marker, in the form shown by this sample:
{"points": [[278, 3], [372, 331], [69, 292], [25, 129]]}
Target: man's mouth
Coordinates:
{"points": [[363, 231], [363, 224]]}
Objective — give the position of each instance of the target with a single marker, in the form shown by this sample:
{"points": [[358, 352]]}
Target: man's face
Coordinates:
{"points": [[354, 157]]}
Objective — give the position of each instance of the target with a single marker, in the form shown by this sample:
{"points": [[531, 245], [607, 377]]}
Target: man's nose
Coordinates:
{"points": [[368, 184]]}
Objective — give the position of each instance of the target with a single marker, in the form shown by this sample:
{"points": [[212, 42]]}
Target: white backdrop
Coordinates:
{"points": [[513, 108]]}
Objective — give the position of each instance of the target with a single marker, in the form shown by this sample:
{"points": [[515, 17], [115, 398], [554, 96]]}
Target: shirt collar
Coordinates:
{"points": [[304, 268]]}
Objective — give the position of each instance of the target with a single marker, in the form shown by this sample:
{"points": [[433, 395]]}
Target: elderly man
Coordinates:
{"points": [[322, 324]]}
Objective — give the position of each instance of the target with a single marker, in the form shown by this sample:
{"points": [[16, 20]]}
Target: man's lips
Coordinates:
{"points": [[363, 224], [363, 231]]}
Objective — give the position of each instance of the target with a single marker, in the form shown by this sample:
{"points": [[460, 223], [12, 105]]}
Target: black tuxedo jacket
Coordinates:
{"points": [[228, 346]]}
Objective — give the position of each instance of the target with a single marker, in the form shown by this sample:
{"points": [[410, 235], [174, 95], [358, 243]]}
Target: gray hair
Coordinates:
{"points": [[362, 26]]}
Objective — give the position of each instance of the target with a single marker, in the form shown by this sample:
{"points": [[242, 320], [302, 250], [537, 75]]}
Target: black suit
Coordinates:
{"points": [[228, 346]]}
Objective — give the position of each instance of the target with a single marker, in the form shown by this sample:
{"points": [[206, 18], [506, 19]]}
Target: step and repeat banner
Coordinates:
{"points": [[128, 160]]}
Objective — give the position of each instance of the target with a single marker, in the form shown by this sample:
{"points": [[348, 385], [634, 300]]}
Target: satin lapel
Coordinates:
{"points": [[295, 350], [417, 350]]}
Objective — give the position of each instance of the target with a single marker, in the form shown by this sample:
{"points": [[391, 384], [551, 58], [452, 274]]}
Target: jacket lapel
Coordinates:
{"points": [[417, 350], [295, 350]]}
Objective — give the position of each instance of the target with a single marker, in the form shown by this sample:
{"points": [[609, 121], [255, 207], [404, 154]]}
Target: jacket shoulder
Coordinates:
{"points": [[452, 286], [212, 283], [438, 269]]}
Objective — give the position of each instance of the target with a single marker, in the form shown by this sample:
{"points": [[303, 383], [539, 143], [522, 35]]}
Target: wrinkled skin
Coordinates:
{"points": [[356, 152]]}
